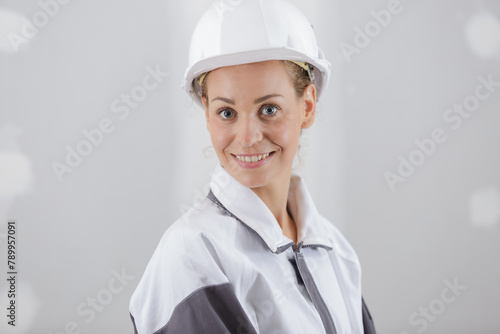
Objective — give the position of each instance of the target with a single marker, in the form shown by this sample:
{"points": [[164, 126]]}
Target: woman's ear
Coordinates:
{"points": [[309, 106]]}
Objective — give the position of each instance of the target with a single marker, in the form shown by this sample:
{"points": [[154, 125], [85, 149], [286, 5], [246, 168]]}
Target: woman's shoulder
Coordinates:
{"points": [[189, 245], [185, 260], [203, 223]]}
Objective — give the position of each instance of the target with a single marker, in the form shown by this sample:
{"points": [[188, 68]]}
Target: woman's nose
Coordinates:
{"points": [[249, 131]]}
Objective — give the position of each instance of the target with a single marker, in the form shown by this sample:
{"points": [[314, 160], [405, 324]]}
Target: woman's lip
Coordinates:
{"points": [[256, 164], [249, 155]]}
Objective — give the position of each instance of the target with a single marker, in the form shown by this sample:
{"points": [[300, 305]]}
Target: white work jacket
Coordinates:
{"points": [[226, 267]]}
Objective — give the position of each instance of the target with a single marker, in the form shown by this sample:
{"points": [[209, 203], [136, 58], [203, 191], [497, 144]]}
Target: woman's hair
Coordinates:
{"points": [[299, 77]]}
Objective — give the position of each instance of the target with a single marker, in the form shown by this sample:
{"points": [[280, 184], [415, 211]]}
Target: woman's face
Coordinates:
{"points": [[255, 119]]}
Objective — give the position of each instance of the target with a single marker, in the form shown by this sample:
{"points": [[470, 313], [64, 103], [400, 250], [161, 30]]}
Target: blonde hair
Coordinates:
{"points": [[298, 75]]}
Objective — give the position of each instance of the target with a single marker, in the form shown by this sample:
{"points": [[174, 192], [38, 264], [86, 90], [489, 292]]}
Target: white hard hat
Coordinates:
{"points": [[234, 32]]}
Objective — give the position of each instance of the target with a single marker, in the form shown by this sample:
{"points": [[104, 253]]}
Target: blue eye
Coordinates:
{"points": [[269, 110], [226, 113]]}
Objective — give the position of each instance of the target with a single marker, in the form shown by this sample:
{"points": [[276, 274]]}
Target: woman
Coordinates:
{"points": [[255, 256]]}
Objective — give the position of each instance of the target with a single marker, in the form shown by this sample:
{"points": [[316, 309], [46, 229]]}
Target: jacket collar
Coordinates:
{"points": [[242, 203]]}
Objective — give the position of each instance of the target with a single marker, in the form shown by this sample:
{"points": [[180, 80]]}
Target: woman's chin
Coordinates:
{"points": [[251, 179]]}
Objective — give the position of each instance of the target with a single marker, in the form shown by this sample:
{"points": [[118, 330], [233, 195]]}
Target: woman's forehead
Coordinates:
{"points": [[268, 65], [259, 76]]}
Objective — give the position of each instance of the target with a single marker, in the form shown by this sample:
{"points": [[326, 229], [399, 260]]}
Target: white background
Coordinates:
{"points": [[107, 215]]}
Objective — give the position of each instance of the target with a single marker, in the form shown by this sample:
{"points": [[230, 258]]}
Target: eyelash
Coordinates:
{"points": [[220, 110]]}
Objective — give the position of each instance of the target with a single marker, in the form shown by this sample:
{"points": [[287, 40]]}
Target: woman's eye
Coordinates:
{"points": [[226, 113], [269, 110]]}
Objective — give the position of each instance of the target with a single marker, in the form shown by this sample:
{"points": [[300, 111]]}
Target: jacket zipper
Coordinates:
{"points": [[313, 291]]}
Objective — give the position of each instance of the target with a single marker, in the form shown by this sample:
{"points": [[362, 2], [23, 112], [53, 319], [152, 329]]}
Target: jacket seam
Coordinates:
{"points": [[186, 298]]}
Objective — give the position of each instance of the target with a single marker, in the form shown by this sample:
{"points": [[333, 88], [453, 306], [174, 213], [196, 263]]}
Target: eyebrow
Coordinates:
{"points": [[259, 100], [223, 99], [262, 99]]}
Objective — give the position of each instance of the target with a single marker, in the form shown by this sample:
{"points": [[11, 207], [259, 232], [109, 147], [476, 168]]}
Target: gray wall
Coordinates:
{"points": [[437, 226]]}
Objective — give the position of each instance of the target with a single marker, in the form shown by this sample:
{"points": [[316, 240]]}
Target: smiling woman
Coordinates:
{"points": [[255, 256], [255, 120], [253, 111]]}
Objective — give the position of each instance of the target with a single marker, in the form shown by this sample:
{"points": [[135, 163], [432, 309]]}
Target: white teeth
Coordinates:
{"points": [[253, 158]]}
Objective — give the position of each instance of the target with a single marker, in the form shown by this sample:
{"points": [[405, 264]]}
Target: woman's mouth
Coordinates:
{"points": [[252, 160]]}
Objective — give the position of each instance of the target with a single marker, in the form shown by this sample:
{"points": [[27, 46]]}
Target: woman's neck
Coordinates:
{"points": [[275, 196]]}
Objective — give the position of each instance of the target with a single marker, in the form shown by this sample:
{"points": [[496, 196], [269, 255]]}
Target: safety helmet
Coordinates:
{"points": [[234, 32]]}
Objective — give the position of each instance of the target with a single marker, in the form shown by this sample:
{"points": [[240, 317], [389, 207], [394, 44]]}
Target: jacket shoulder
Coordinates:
{"points": [[185, 260]]}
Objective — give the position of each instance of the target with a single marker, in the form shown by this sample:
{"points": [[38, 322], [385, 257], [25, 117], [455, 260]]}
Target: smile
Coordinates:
{"points": [[252, 158]]}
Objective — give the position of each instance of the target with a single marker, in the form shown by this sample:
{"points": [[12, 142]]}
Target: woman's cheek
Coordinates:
{"points": [[221, 136], [286, 132]]}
